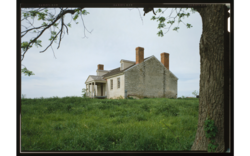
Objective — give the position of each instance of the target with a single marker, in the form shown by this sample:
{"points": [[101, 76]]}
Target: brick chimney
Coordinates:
{"points": [[139, 54], [165, 59], [100, 66]]}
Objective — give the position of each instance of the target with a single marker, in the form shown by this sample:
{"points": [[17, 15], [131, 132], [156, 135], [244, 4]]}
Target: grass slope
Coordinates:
{"points": [[82, 124]]}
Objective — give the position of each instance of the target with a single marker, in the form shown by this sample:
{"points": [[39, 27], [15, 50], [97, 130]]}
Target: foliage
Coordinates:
{"points": [[23, 96], [27, 72], [50, 20], [84, 91], [195, 93], [210, 131], [169, 21]]}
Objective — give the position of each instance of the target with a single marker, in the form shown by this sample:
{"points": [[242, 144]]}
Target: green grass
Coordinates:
{"points": [[79, 124]]}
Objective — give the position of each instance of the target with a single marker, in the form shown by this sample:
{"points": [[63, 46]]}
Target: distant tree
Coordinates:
{"points": [[195, 93]]}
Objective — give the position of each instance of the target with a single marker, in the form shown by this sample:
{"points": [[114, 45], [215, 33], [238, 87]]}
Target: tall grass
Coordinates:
{"points": [[83, 124]]}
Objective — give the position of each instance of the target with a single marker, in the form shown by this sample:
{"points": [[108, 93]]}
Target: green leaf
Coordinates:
{"points": [[171, 22], [38, 43], [153, 18], [179, 20], [44, 24], [76, 16], [41, 16], [161, 19], [176, 29], [84, 12], [27, 72], [24, 46], [189, 25], [53, 33], [160, 33], [69, 25], [55, 24], [161, 25]]}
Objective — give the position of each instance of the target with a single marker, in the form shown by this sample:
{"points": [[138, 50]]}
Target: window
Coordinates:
{"points": [[118, 82], [111, 84]]}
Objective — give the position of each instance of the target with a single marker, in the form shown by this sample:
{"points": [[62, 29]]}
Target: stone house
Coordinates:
{"points": [[144, 77]]}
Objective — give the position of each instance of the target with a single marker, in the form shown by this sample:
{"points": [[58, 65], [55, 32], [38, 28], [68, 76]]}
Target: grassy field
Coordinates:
{"points": [[82, 124]]}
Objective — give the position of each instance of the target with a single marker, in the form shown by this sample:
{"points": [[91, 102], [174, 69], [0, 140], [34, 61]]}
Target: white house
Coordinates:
{"points": [[144, 77]]}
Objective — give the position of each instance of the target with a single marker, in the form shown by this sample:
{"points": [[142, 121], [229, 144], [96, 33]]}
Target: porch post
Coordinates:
{"points": [[92, 94], [94, 90], [89, 89]]}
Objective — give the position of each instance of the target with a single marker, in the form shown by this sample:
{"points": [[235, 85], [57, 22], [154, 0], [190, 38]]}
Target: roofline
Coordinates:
{"points": [[91, 75], [126, 61], [102, 70], [113, 75], [87, 78], [137, 64], [166, 68], [94, 81], [147, 60]]}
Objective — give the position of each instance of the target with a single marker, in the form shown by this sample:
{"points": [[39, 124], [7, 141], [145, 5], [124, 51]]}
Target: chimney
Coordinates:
{"points": [[139, 55], [165, 59], [100, 66]]}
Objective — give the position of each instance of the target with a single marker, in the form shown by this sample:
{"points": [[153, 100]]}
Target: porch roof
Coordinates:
{"points": [[95, 78]]}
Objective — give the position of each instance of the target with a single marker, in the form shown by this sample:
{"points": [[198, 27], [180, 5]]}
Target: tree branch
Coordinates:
{"points": [[85, 27], [174, 20], [140, 15], [48, 26], [60, 33]]}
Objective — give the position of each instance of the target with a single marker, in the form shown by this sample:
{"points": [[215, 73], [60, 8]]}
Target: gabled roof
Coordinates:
{"points": [[118, 71], [157, 60], [95, 78]]}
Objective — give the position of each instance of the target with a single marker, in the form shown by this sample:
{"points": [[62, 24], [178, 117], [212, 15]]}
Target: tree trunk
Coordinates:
{"points": [[212, 58]]}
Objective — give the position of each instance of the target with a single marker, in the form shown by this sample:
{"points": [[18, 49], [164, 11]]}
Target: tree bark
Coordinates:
{"points": [[211, 97]]}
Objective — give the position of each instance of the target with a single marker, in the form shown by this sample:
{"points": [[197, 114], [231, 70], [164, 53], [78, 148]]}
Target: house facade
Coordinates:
{"points": [[144, 77]]}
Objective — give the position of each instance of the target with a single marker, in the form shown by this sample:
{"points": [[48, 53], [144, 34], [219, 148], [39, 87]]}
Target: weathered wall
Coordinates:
{"points": [[150, 79], [115, 92]]}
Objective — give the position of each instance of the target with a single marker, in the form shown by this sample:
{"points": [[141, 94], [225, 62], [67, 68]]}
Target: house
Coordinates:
{"points": [[144, 77]]}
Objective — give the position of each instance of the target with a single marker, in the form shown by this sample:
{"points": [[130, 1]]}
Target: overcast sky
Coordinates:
{"points": [[116, 33]]}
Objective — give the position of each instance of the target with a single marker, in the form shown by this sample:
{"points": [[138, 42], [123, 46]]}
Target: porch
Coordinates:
{"points": [[96, 89]]}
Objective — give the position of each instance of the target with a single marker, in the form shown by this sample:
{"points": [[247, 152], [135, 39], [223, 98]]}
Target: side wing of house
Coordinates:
{"points": [[115, 86], [150, 78]]}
